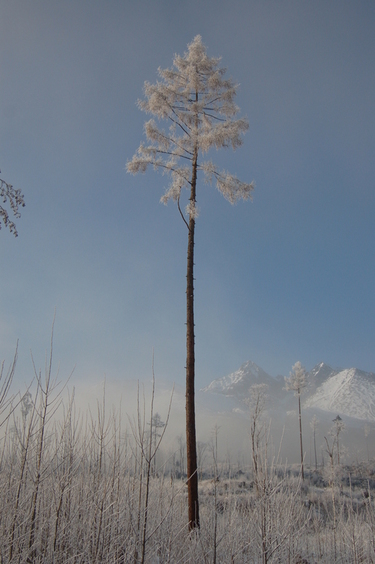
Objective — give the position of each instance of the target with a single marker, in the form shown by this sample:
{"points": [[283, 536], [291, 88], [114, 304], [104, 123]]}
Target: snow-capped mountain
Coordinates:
{"points": [[238, 383], [348, 392]]}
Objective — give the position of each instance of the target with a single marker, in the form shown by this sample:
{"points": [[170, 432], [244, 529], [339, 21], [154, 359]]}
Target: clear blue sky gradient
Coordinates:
{"points": [[288, 277]]}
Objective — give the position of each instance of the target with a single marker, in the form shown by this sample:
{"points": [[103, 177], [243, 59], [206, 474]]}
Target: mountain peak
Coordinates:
{"points": [[319, 374], [238, 383]]}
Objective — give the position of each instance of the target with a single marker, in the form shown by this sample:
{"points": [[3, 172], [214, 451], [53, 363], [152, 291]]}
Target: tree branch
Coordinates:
{"points": [[182, 215]]}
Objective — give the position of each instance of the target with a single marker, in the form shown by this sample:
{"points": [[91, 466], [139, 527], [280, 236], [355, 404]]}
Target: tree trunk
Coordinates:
{"points": [[300, 434], [316, 458], [191, 442]]}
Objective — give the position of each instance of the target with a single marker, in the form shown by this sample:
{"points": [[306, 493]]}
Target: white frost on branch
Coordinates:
{"points": [[192, 210], [198, 104]]}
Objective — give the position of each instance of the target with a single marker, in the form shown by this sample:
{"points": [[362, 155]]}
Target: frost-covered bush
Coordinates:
{"points": [[73, 489]]}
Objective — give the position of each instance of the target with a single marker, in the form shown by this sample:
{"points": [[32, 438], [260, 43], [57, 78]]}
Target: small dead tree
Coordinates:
{"points": [[5, 383], [295, 383], [198, 104], [148, 445], [257, 404], [337, 427], [155, 425]]}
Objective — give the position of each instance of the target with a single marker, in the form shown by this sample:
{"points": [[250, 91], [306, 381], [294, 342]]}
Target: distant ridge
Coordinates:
{"points": [[238, 383]]}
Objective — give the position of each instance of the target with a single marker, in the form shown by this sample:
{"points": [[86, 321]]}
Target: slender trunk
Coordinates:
{"points": [[316, 458], [148, 459], [300, 434], [191, 443]]}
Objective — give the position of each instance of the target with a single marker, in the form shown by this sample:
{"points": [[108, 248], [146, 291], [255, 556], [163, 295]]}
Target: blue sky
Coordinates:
{"points": [[288, 277]]}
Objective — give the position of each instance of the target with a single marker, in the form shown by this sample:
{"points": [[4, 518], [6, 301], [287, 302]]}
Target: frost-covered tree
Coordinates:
{"points": [[296, 382], [14, 198], [197, 103]]}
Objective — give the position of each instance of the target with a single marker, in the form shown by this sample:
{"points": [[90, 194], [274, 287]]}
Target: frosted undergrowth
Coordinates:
{"points": [[72, 489]]}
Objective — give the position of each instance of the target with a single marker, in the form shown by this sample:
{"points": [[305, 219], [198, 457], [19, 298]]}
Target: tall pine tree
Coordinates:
{"points": [[198, 104]]}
